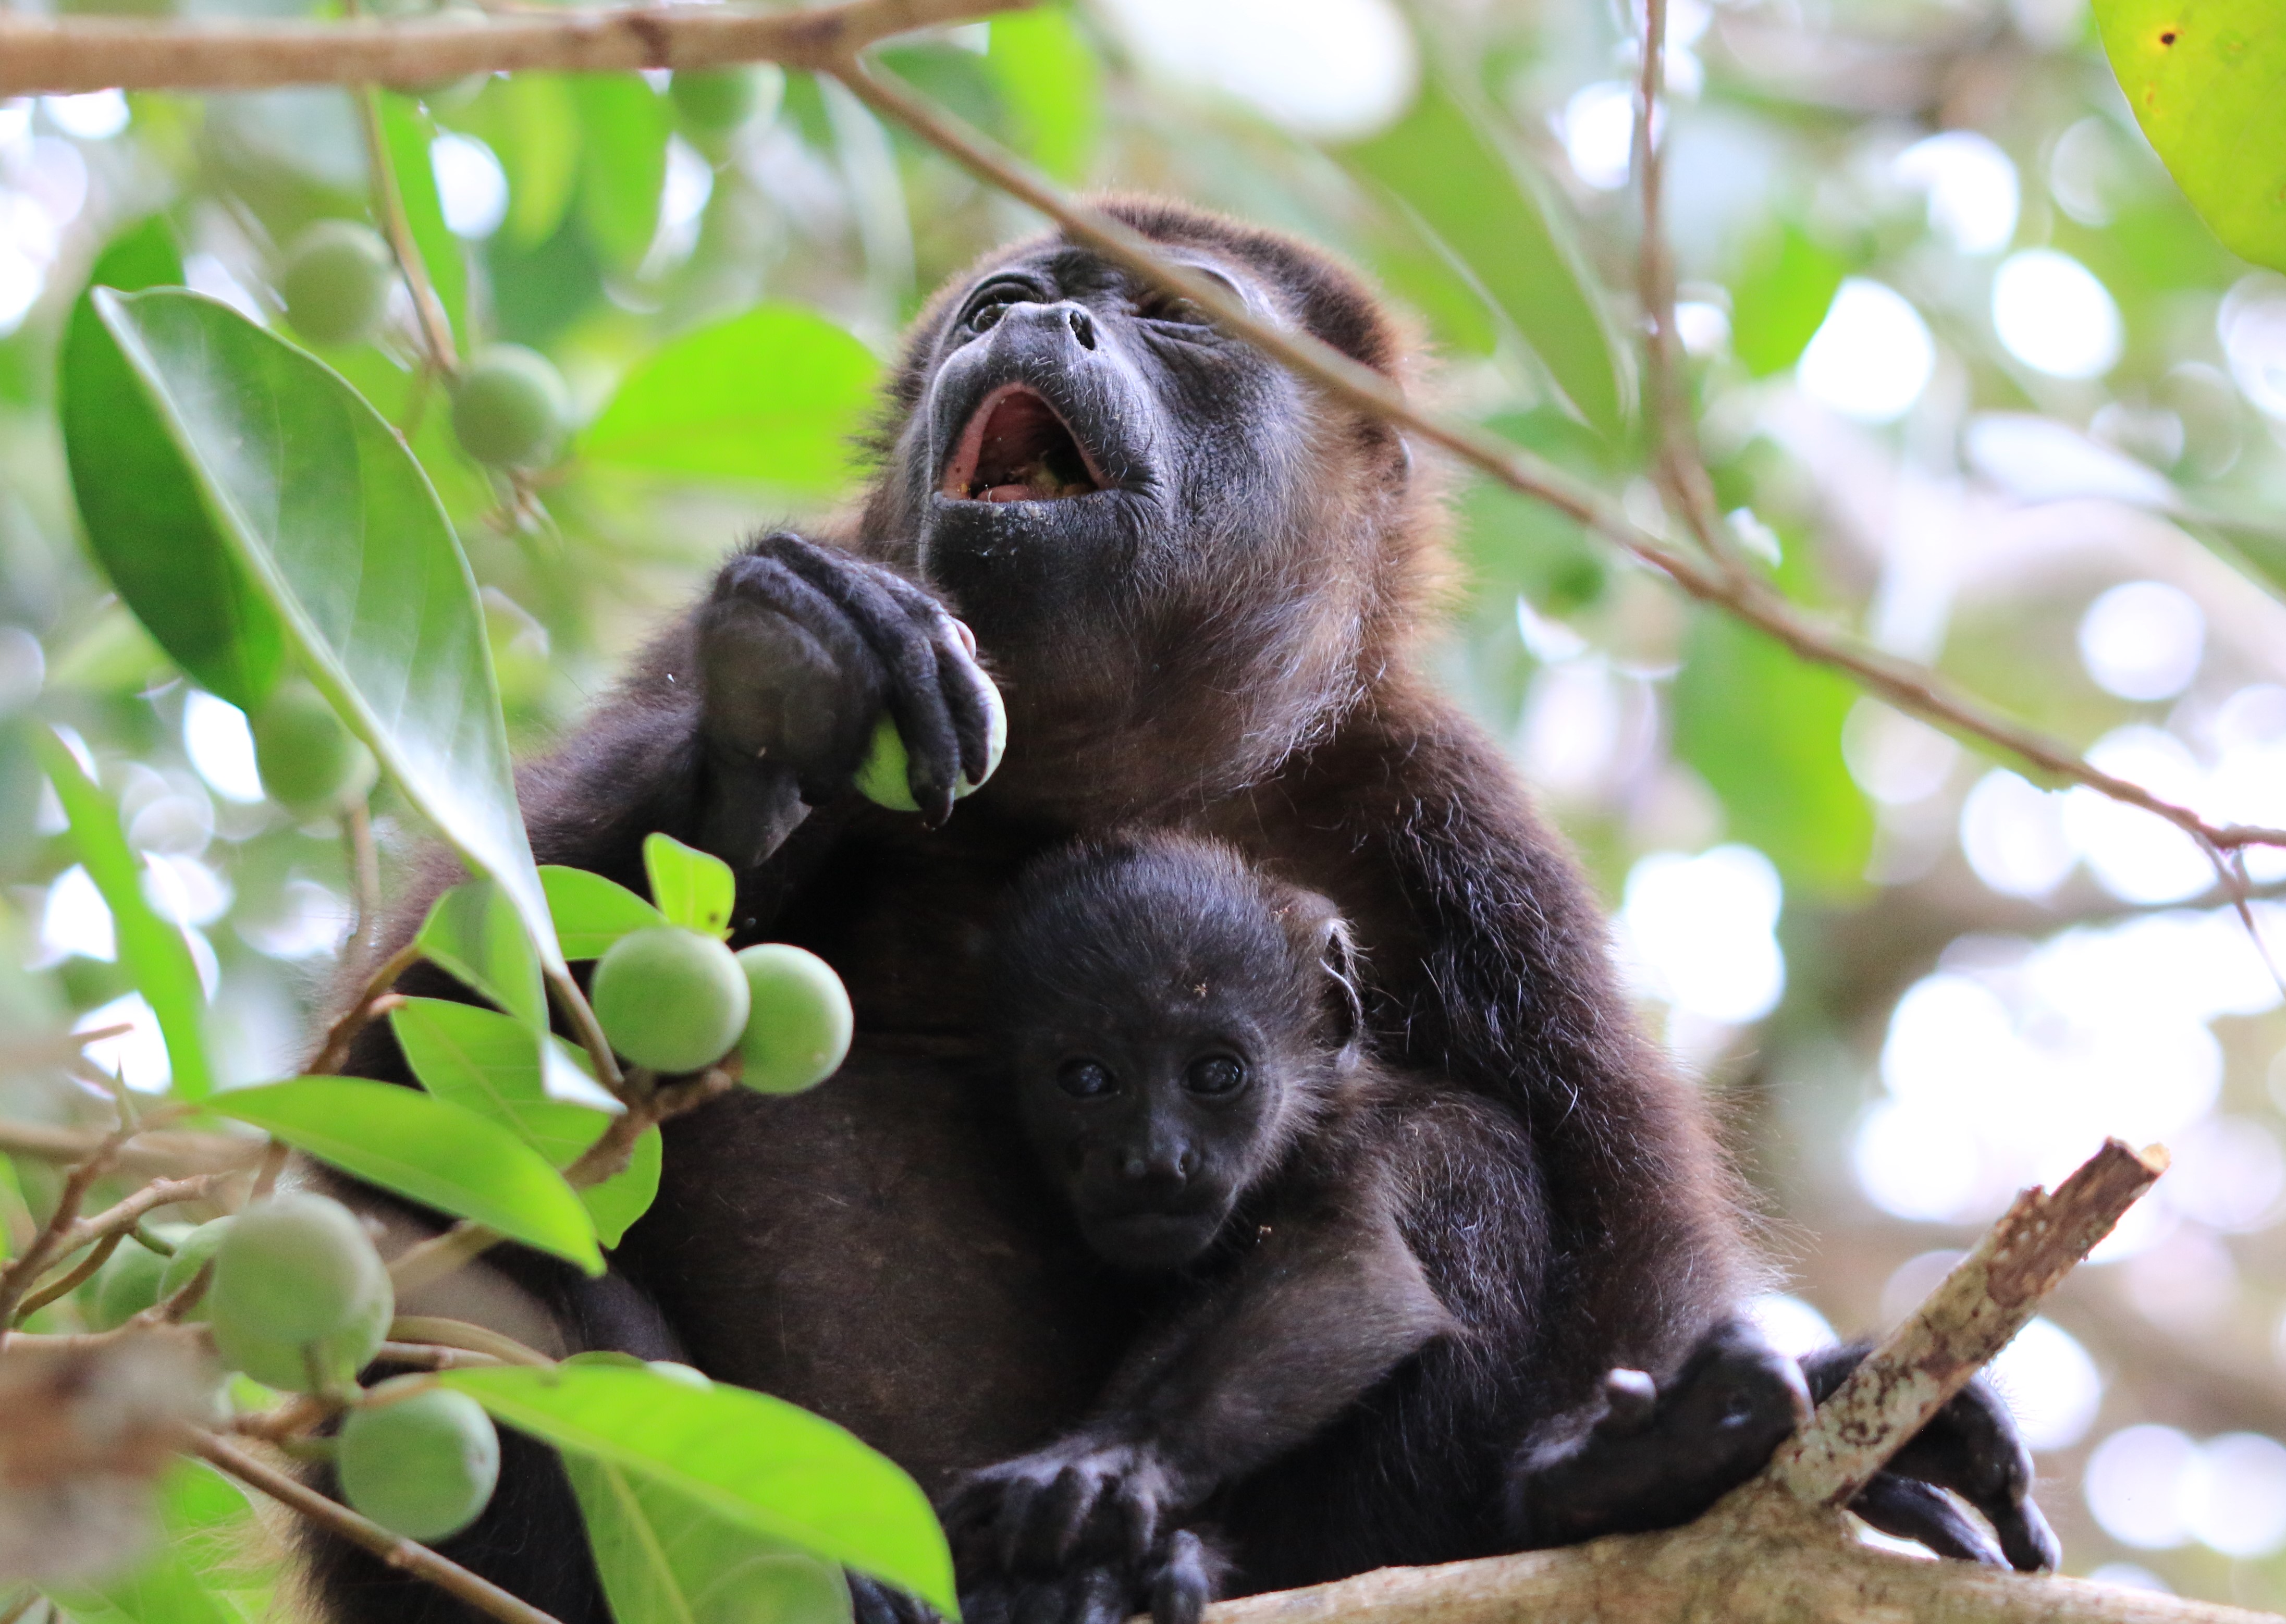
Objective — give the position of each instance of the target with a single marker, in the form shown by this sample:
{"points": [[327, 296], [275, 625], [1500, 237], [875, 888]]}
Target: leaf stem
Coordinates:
{"points": [[436, 330], [378, 998]]}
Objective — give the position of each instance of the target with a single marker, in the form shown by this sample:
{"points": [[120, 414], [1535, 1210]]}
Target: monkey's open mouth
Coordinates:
{"points": [[1016, 449]]}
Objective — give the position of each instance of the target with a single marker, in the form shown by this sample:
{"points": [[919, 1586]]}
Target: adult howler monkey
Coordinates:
{"points": [[1202, 586]]}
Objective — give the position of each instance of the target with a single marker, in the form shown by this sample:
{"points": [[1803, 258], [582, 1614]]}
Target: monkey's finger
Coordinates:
{"points": [[1013, 1523], [783, 666], [1973, 1447], [908, 649], [1097, 1596], [967, 690], [1138, 1510], [1910, 1509], [1059, 1516], [1184, 1583]]}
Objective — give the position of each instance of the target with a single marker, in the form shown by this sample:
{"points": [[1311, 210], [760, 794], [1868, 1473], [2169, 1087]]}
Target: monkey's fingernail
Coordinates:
{"points": [[1630, 1397]]}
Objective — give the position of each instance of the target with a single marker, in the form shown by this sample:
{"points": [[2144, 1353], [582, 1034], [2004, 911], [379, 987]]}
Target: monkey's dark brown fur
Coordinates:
{"points": [[1222, 637]]}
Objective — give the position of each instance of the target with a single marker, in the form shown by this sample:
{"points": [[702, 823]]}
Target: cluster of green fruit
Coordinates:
{"points": [[678, 1000], [510, 408], [298, 1299]]}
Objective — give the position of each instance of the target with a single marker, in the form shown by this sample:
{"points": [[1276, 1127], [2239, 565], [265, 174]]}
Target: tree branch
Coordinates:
{"points": [[1989, 1297], [58, 55], [1906, 685], [1779, 1550]]}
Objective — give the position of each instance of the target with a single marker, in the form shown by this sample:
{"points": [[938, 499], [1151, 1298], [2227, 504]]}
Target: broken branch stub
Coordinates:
{"points": [[1989, 1297]]}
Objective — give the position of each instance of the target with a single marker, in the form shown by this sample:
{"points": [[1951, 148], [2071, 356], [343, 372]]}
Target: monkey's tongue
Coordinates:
{"points": [[1016, 449]]}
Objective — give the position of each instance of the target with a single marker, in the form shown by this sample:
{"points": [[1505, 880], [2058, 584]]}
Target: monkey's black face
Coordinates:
{"points": [[1154, 1139], [1074, 424]]}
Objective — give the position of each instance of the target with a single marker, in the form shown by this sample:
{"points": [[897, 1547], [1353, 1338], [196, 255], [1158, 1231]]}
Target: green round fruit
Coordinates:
{"points": [[799, 1029], [296, 1268], [713, 100], [330, 1362], [307, 761], [670, 998], [422, 1466], [192, 1253], [882, 775], [336, 282], [128, 1283], [510, 408]]}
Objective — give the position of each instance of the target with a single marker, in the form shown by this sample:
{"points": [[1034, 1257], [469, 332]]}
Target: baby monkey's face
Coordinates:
{"points": [[1154, 1127]]}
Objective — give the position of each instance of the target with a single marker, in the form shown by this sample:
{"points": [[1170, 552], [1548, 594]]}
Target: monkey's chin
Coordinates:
{"points": [[1152, 1242]]}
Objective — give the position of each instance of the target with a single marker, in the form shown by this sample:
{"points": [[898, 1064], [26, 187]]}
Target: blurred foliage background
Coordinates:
{"points": [[1971, 376]]}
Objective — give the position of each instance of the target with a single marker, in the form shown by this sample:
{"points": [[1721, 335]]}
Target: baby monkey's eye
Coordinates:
{"points": [[1218, 1074], [1083, 1079]]}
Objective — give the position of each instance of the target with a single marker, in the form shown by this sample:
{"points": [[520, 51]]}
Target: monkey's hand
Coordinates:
{"points": [[1082, 1495], [1656, 1455], [1175, 1581], [803, 647], [1970, 1446]]}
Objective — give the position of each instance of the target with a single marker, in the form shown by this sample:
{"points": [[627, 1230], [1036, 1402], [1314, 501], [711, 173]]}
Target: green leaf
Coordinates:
{"points": [[2207, 79], [624, 129], [626, 1194], [775, 395], [474, 932], [665, 1558], [491, 1065], [152, 950], [754, 1461], [144, 521], [1780, 297], [593, 912], [408, 135], [1050, 84], [315, 498], [1765, 730], [1465, 187], [423, 1149], [693, 889]]}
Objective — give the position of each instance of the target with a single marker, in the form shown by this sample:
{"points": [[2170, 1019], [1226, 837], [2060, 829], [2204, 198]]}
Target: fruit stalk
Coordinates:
{"points": [[405, 1555]]}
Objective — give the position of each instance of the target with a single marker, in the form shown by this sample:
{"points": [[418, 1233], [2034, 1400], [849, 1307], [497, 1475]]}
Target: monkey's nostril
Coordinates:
{"points": [[1132, 1166], [1082, 326]]}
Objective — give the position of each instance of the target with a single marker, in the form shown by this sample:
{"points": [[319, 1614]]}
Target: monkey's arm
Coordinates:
{"points": [[1490, 966], [1326, 1305]]}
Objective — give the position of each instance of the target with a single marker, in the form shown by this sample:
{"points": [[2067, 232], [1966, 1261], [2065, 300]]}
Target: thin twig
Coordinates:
{"points": [[1676, 464], [64, 1287], [573, 1004], [377, 998], [398, 1552], [48, 1244], [130, 1211], [436, 329], [58, 55], [1907, 686], [1989, 1297], [162, 1150], [364, 872]]}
